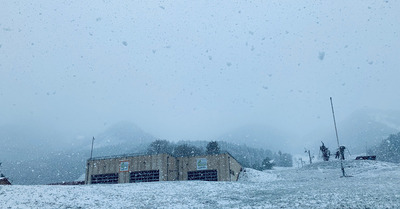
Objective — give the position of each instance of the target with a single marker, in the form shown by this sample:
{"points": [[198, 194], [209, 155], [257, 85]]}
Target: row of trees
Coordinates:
{"points": [[181, 150], [280, 159], [388, 150], [259, 159]]}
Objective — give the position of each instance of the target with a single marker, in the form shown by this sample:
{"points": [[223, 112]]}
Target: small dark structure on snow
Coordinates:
{"points": [[4, 180], [69, 183], [369, 157]]}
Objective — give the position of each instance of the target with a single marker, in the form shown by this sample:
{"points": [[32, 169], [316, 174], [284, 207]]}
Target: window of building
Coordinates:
{"points": [[109, 178], [204, 175], [145, 176]]}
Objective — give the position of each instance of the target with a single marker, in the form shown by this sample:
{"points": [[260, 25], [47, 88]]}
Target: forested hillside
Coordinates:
{"points": [[388, 150]]}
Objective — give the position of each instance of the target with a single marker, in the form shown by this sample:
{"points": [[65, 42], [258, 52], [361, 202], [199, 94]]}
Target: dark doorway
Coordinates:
{"points": [[204, 175]]}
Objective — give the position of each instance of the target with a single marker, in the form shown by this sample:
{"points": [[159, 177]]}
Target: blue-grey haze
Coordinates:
{"points": [[195, 70]]}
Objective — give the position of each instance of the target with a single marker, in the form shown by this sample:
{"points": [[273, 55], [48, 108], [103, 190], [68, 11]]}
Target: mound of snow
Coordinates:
{"points": [[374, 185], [364, 165], [252, 175], [368, 168], [359, 168], [333, 164]]}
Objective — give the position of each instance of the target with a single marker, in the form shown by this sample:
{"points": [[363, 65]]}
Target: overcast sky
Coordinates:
{"points": [[196, 69]]}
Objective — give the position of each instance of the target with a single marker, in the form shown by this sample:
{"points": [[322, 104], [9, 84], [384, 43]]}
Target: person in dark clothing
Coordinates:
{"points": [[340, 153]]}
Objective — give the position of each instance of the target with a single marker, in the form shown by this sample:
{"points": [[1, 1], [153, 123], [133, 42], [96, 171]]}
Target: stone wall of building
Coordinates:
{"points": [[162, 167]]}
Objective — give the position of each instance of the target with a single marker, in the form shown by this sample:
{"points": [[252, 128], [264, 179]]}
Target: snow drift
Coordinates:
{"points": [[374, 185]]}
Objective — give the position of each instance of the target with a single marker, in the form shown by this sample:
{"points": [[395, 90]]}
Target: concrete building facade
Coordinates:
{"points": [[161, 167]]}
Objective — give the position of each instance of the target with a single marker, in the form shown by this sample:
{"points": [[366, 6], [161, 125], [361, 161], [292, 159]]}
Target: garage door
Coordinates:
{"points": [[109, 178], [145, 176], [204, 175]]}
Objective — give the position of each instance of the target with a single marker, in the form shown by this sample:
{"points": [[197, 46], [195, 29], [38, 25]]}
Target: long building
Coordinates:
{"points": [[162, 167]]}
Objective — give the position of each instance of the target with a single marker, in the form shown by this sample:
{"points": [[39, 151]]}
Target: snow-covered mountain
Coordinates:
{"points": [[121, 138], [368, 128], [32, 161], [258, 136], [358, 132], [37, 156], [22, 141]]}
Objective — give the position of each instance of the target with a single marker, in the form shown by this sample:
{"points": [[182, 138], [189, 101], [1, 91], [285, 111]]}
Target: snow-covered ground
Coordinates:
{"points": [[374, 185]]}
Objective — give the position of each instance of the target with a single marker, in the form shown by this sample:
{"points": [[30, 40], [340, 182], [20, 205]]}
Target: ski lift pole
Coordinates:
{"points": [[91, 151], [309, 155], [337, 139]]}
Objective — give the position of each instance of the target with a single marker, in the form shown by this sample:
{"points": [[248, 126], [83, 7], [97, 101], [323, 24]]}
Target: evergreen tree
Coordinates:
{"points": [[213, 148], [325, 152], [283, 159], [160, 146], [185, 150], [267, 164], [388, 150]]}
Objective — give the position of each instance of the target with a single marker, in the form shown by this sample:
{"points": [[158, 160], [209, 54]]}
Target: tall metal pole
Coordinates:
{"points": [[91, 151], [88, 164], [337, 139]]}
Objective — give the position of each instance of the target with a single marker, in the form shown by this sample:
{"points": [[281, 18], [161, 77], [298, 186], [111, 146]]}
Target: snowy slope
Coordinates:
{"points": [[373, 185]]}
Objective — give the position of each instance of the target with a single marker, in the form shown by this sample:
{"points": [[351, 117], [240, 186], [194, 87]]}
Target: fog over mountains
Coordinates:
{"points": [[48, 160], [360, 130], [253, 73], [259, 136], [122, 138]]}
